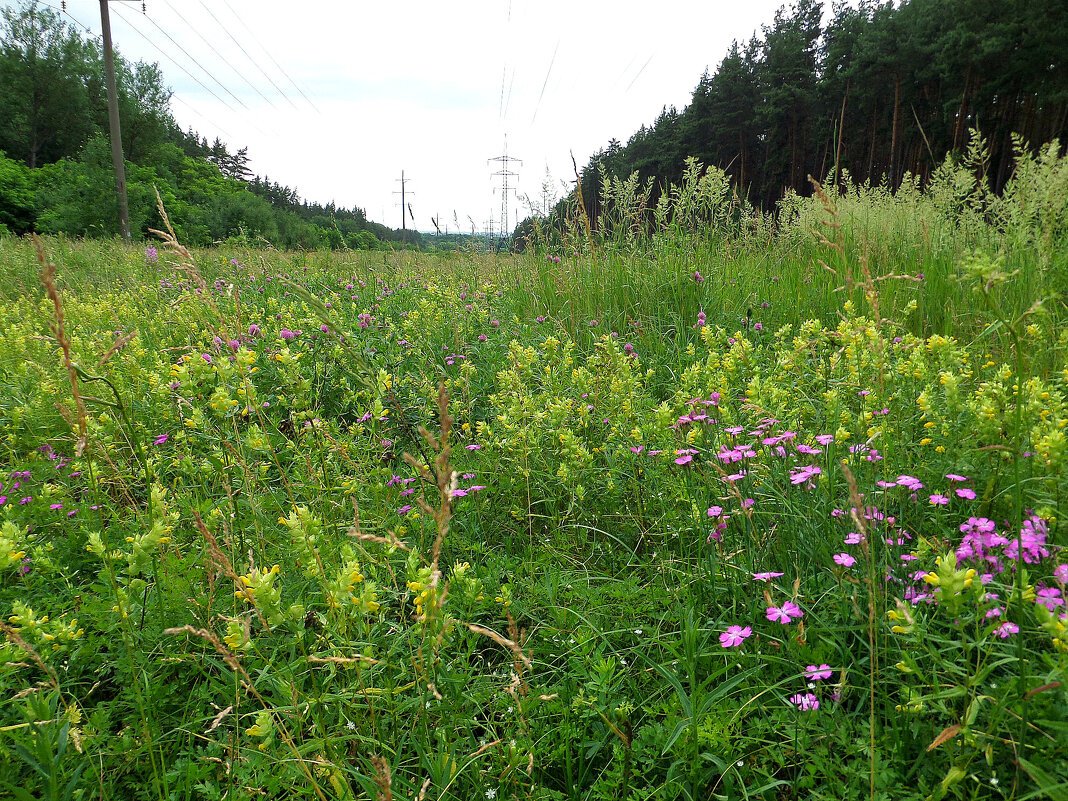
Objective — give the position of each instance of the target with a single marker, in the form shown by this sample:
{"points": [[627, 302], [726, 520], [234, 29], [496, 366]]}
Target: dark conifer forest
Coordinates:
{"points": [[874, 91]]}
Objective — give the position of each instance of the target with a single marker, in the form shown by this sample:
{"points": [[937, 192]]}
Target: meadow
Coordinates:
{"points": [[696, 503]]}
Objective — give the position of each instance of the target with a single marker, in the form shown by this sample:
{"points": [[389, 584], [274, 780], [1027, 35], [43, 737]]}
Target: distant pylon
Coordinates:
{"points": [[505, 174]]}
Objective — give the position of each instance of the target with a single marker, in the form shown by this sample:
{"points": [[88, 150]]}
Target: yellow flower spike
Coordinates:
{"points": [[932, 578]]}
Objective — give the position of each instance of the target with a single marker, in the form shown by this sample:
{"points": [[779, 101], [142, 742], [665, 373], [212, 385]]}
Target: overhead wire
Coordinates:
{"points": [[268, 54], [548, 72], [188, 55], [171, 95], [66, 13], [196, 80], [171, 59], [636, 77], [199, 113], [508, 98], [219, 55], [500, 104], [241, 47]]}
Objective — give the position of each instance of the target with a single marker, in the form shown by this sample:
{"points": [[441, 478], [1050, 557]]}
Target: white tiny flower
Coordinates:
{"points": [[638, 631], [491, 794], [350, 726]]}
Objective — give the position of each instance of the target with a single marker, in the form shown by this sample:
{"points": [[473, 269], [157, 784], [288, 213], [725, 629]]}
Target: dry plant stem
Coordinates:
{"points": [[383, 778], [582, 205], [59, 333], [187, 265], [223, 563], [502, 641], [120, 343], [12, 634], [232, 662]]}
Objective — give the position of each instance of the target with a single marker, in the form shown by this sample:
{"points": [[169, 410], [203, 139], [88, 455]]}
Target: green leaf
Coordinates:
{"points": [[1048, 786]]}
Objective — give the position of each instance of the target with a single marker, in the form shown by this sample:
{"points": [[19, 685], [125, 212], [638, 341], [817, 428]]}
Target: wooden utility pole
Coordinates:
{"points": [[113, 119]]}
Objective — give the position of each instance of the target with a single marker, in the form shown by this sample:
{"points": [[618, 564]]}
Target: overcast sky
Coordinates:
{"points": [[337, 98]]}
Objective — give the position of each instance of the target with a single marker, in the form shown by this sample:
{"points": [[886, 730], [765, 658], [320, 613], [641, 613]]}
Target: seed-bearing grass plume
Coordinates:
{"points": [[62, 339]]}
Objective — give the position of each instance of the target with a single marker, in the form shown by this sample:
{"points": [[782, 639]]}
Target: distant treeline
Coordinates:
{"points": [[55, 159], [881, 91]]}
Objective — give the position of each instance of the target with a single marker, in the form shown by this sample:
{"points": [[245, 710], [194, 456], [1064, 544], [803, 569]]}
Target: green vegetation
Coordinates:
{"points": [[55, 160], [723, 507], [690, 500], [882, 92]]}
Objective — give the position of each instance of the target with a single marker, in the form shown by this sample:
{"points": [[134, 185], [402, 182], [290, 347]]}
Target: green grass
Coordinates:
{"points": [[149, 655]]}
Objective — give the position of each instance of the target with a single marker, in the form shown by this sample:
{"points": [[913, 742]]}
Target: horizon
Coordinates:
{"points": [[520, 88]]}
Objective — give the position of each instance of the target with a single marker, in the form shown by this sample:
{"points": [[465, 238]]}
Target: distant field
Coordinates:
{"points": [[723, 507]]}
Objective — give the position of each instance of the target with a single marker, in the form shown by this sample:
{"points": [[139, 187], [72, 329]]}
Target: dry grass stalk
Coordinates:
{"points": [[222, 562], [383, 778], [59, 333], [855, 501], [12, 634], [582, 205], [343, 660], [502, 641], [218, 719], [238, 668], [390, 540], [186, 264], [831, 221], [120, 343]]}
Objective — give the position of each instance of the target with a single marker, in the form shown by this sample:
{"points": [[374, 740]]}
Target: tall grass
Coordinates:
{"points": [[693, 510]]}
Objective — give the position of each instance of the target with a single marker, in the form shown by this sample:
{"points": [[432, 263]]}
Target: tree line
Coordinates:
{"points": [[877, 92], [55, 163]]}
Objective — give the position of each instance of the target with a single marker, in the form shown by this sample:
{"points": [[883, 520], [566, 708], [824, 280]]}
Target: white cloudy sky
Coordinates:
{"points": [[369, 89]]}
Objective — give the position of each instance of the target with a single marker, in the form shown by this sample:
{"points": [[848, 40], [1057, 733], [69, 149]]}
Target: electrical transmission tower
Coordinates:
{"points": [[505, 174], [405, 207]]}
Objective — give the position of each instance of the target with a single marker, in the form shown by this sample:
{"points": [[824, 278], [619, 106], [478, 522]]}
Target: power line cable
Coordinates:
{"points": [[500, 103], [173, 61], [636, 77], [268, 53], [220, 55], [199, 113], [170, 95], [66, 13], [188, 55], [548, 72], [241, 47], [508, 98]]}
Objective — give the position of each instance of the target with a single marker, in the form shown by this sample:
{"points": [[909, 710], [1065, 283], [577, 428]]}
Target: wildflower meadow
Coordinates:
{"points": [[689, 502]]}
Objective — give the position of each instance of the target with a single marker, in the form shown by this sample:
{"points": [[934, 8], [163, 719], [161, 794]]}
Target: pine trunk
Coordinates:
{"points": [[893, 136]]}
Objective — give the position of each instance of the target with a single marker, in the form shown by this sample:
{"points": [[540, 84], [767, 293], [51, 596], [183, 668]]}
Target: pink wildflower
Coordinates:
{"points": [[784, 614], [734, 636]]}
